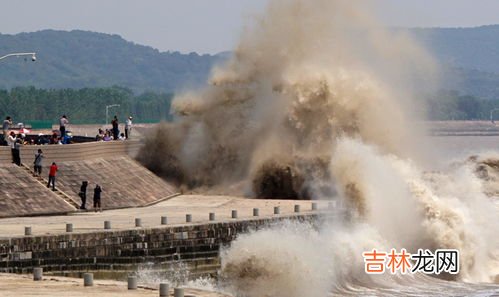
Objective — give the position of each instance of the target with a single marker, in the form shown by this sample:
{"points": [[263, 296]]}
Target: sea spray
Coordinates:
{"points": [[412, 208], [304, 74], [435, 210], [151, 274], [297, 259], [320, 100]]}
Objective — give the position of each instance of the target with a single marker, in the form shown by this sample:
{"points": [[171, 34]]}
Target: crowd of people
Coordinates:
{"points": [[57, 137], [114, 133], [62, 136]]}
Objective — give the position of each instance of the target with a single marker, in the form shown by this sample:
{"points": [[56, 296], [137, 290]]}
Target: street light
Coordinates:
{"points": [[107, 110], [33, 55]]}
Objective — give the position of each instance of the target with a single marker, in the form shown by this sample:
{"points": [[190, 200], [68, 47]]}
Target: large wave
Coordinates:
{"points": [[319, 100], [303, 75], [395, 204]]}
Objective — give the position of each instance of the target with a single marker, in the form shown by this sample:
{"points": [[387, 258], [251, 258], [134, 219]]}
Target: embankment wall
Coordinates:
{"points": [[113, 254]]}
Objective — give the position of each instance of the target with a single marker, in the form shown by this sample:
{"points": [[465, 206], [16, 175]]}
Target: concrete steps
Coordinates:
{"points": [[22, 194], [65, 197]]}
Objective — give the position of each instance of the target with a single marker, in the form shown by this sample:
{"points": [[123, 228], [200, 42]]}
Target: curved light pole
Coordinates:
{"points": [[33, 55], [107, 110]]}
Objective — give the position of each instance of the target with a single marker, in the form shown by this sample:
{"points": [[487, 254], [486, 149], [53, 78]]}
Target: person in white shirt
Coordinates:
{"points": [[14, 148], [11, 139], [5, 127], [63, 121], [128, 127]]}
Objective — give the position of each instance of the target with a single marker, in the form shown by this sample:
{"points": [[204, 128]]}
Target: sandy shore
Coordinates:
{"points": [[51, 286]]}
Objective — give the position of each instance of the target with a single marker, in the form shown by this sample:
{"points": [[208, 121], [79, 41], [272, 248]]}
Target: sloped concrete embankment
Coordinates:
{"points": [[124, 181], [21, 194]]}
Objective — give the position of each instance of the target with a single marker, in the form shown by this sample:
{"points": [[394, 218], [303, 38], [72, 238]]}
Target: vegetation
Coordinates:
{"points": [[85, 106], [75, 71], [471, 48], [88, 105], [450, 105], [82, 59]]}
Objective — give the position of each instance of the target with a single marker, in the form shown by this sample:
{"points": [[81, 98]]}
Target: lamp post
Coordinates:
{"points": [[33, 55], [107, 110]]}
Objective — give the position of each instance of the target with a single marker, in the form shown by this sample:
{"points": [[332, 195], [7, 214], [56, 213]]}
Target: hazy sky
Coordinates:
{"points": [[210, 26]]}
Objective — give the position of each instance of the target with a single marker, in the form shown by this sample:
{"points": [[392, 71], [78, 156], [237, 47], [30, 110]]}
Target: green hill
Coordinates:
{"points": [[82, 59], [474, 48], [469, 58], [79, 59]]}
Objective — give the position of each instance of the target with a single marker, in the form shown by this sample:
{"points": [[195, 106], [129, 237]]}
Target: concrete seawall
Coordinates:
{"points": [[113, 254], [73, 152]]}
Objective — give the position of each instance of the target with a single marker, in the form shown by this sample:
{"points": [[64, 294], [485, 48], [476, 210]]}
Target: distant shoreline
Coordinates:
{"points": [[462, 128]]}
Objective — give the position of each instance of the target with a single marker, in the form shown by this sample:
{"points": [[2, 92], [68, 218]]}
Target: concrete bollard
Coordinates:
{"points": [[234, 214], [69, 227], [314, 206], [178, 292], [277, 210], [37, 273], [164, 220], [27, 231], [163, 290], [107, 225], [256, 212], [297, 208], [188, 218], [88, 279], [138, 222], [212, 216], [132, 283]]}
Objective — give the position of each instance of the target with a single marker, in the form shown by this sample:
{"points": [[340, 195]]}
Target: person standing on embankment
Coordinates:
{"points": [[52, 173], [38, 163]]}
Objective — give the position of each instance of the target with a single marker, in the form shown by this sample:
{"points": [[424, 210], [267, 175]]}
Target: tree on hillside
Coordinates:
{"points": [[85, 105]]}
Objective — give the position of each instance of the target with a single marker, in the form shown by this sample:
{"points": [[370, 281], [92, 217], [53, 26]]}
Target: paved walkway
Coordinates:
{"points": [[175, 209], [51, 286]]}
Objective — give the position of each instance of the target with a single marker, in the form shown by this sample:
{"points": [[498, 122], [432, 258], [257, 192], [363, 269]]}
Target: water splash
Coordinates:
{"points": [[305, 74], [320, 100], [176, 274]]}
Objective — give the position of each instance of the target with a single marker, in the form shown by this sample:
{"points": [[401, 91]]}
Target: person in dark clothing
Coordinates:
{"points": [[38, 163], [83, 194], [52, 172], [97, 202], [116, 131], [17, 152]]}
